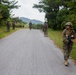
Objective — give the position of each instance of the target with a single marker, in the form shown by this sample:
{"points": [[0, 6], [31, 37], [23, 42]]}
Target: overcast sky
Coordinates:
{"points": [[27, 11]]}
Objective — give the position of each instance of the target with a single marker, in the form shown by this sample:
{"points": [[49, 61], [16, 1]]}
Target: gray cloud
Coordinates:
{"points": [[26, 10]]}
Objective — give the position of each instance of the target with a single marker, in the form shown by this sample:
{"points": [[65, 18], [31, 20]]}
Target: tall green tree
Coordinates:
{"points": [[57, 11], [5, 7], [50, 7]]}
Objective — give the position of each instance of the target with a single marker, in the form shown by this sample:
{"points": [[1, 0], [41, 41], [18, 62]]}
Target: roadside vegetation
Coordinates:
{"points": [[4, 33], [19, 24], [6, 15], [58, 12]]}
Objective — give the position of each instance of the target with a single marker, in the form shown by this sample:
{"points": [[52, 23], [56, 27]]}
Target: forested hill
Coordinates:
{"points": [[27, 20]]}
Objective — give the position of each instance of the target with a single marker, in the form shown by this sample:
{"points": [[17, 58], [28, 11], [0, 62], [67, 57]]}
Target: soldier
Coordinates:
{"points": [[68, 35], [8, 26], [30, 25], [13, 25], [45, 29]]}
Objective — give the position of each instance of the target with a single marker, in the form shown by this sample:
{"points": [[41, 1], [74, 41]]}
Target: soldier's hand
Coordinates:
{"points": [[72, 37]]}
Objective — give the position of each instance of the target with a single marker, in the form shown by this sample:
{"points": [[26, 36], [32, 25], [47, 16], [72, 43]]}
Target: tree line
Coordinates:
{"points": [[6, 7], [58, 12]]}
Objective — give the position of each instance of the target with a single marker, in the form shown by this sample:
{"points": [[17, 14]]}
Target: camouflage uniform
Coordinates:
{"points": [[13, 25], [45, 29], [67, 42], [30, 25], [8, 26]]}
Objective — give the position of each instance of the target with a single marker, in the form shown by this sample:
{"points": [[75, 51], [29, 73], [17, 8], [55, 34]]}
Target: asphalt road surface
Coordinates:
{"points": [[28, 52]]}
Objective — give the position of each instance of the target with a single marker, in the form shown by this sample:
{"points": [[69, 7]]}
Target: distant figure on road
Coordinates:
{"points": [[13, 25], [68, 35], [45, 29], [8, 26], [30, 25]]}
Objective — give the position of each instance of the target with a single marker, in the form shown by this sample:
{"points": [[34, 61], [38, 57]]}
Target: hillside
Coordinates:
{"points": [[27, 20]]}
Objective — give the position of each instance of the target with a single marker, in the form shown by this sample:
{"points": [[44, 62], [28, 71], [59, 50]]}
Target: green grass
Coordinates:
{"points": [[56, 36], [73, 53], [4, 33]]}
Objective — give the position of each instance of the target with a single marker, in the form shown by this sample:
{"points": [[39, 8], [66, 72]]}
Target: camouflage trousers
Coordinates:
{"points": [[8, 29], [67, 49], [46, 32]]}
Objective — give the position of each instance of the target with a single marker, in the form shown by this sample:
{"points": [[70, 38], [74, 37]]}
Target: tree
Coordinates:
{"points": [[57, 11], [61, 17], [5, 8], [50, 7]]}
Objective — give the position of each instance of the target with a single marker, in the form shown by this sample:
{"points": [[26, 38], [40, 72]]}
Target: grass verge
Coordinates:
{"points": [[4, 33], [56, 36]]}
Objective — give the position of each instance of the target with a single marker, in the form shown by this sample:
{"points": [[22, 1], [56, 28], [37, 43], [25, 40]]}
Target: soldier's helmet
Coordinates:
{"points": [[68, 24]]}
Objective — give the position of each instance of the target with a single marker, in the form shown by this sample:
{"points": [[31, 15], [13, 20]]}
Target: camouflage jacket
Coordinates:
{"points": [[65, 36]]}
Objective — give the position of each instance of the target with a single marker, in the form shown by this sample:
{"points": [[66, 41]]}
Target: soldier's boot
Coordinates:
{"points": [[66, 63]]}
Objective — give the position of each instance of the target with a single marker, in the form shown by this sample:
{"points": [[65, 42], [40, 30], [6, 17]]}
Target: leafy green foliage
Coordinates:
{"points": [[58, 12], [5, 7]]}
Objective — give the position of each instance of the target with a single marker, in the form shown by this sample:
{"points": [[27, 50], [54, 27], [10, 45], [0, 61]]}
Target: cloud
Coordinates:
{"points": [[26, 10]]}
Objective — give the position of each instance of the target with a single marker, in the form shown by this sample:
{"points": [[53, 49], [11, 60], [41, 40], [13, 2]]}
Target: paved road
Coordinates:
{"points": [[28, 52]]}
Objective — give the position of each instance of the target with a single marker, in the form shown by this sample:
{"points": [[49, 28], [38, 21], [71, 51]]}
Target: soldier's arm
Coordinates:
{"points": [[73, 33]]}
